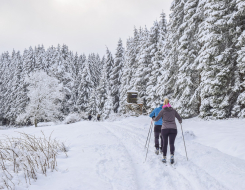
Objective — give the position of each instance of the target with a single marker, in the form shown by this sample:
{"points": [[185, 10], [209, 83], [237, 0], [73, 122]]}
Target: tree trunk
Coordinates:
{"points": [[35, 122]]}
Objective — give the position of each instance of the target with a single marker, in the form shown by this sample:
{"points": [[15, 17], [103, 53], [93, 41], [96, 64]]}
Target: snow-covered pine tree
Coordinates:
{"points": [[239, 109], [28, 61], [67, 80], [239, 19], [109, 62], [74, 83], [131, 53], [187, 81], [153, 67], [215, 59], [80, 66], [94, 68], [108, 66], [101, 89], [98, 63], [5, 84], [18, 92], [2, 86], [140, 75], [125, 78], [108, 106], [52, 62], [92, 104], [39, 53], [237, 27], [45, 94], [160, 54], [9, 63], [85, 87], [169, 68], [116, 74]]}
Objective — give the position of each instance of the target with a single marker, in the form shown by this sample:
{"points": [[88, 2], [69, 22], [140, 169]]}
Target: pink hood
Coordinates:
{"points": [[168, 105]]}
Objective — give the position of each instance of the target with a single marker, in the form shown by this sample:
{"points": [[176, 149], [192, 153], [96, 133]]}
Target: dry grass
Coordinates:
{"points": [[27, 156]]}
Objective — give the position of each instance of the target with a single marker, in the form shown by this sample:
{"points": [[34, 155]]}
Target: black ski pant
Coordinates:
{"points": [[171, 135], [157, 134]]}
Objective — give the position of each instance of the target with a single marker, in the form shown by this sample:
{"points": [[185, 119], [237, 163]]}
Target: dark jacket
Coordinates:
{"points": [[168, 118]]}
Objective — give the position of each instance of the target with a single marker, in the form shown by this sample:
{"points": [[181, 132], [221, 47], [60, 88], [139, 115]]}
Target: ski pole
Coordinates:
{"points": [[148, 134], [148, 144], [184, 141]]}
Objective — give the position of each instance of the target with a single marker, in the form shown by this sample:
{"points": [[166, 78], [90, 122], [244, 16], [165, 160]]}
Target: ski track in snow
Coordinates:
{"points": [[187, 175], [115, 161], [111, 156]]}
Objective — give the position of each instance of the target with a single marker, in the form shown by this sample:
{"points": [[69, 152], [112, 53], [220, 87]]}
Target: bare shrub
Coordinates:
{"points": [[27, 156], [75, 117]]}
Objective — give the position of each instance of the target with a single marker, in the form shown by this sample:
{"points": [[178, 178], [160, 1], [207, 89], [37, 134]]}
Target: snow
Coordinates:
{"points": [[110, 155]]}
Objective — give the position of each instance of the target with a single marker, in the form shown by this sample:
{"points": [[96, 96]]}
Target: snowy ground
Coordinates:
{"points": [[110, 156]]}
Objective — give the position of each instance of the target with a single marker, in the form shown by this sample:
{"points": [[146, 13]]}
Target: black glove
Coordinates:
{"points": [[153, 117], [180, 122]]}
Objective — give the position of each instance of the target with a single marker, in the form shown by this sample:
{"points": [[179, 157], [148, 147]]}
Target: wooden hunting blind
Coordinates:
{"points": [[134, 102], [132, 97]]}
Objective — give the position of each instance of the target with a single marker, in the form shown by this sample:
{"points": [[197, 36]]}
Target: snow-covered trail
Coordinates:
{"points": [[110, 156], [210, 169]]}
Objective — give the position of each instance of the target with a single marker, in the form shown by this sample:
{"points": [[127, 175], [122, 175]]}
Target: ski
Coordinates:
{"points": [[165, 163], [172, 165]]}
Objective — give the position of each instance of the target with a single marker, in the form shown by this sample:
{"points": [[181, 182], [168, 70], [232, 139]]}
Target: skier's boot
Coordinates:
{"points": [[160, 150], [164, 159], [157, 151], [171, 158]]}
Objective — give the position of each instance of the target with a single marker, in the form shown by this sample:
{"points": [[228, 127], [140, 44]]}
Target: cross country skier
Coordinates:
{"points": [[169, 128], [98, 117], [157, 127], [90, 117]]}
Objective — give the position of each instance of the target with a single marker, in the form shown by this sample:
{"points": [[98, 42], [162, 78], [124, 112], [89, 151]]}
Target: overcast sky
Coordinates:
{"points": [[86, 26]]}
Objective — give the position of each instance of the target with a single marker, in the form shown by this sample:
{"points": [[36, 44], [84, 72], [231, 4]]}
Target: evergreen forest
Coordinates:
{"points": [[196, 59]]}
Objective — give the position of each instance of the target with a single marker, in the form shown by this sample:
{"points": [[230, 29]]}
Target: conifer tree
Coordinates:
{"points": [[125, 78], [239, 108], [101, 90], [108, 106], [39, 52], [18, 91], [109, 62], [130, 58], [237, 26], [85, 88], [4, 81], [187, 79], [169, 67], [108, 67], [92, 105], [116, 74], [216, 61], [8, 82], [153, 66], [142, 60]]}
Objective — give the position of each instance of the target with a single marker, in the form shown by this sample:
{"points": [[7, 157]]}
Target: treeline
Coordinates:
{"points": [[78, 74], [197, 60], [200, 65]]}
